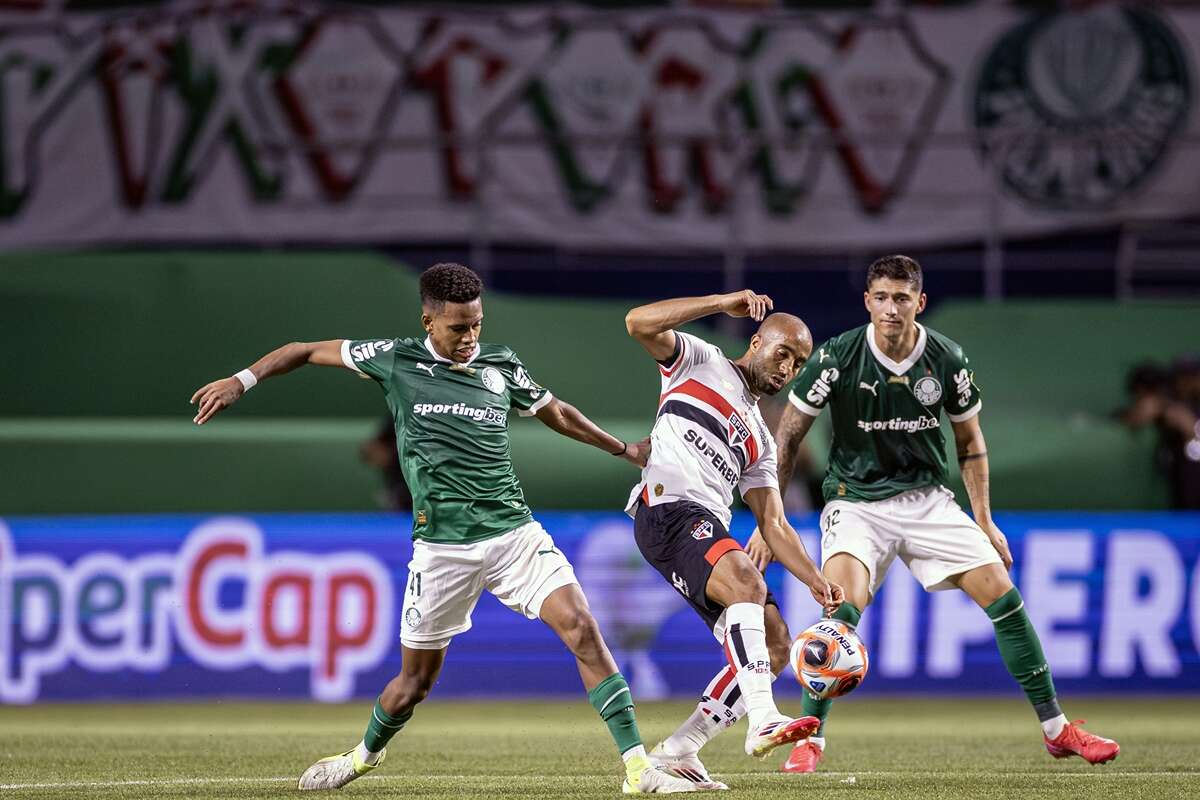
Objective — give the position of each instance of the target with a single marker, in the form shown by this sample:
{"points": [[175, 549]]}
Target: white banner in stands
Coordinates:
{"points": [[301, 122]]}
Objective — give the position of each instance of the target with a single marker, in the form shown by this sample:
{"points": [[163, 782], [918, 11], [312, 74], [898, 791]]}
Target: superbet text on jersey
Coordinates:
{"points": [[887, 435], [709, 437]]}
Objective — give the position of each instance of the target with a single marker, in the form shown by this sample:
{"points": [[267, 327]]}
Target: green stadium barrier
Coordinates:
{"points": [[128, 465], [134, 334], [103, 350]]}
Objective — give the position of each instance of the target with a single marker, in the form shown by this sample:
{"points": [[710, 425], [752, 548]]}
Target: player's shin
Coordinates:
{"points": [[380, 730], [614, 703], [746, 649], [813, 707], [1022, 653]]}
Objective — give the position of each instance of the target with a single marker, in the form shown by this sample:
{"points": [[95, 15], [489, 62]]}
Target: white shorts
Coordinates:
{"points": [[925, 527], [521, 568]]}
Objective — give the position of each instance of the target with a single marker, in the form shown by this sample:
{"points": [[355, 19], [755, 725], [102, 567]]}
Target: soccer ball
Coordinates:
{"points": [[829, 659]]}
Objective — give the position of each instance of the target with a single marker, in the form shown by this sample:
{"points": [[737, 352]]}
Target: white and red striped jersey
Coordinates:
{"points": [[709, 437]]}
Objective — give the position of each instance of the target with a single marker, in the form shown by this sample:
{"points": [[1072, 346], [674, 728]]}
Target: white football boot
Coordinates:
{"points": [[334, 772], [687, 766]]}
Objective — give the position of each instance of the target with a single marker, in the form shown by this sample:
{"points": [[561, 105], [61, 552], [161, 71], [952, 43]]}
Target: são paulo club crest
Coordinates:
{"points": [[1075, 110], [927, 390], [738, 431]]}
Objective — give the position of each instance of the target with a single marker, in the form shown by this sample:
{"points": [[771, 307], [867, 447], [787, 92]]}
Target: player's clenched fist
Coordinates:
{"points": [[747, 303], [215, 396]]}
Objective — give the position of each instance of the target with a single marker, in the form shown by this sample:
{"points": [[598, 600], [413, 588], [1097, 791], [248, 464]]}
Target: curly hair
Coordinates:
{"points": [[449, 283], [897, 268]]}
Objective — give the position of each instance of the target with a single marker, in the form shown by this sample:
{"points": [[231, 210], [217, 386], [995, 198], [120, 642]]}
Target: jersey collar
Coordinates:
{"points": [[897, 367], [439, 357]]}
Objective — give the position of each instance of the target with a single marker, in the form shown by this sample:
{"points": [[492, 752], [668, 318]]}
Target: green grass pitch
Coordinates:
{"points": [[879, 749]]}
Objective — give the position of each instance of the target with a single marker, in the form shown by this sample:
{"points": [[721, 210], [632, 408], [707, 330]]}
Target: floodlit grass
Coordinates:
{"points": [[893, 749]]}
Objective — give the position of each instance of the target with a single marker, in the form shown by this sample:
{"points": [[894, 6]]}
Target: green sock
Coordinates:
{"points": [[1022, 652], [382, 727], [811, 706], [614, 704]]}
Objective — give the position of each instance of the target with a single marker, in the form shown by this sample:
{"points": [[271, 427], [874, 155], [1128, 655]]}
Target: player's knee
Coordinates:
{"points": [[582, 633], [407, 692], [735, 580], [748, 584]]}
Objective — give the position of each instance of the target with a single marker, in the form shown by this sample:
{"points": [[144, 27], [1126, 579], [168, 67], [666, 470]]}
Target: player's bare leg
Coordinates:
{"points": [[418, 672], [566, 612], [1021, 650], [720, 707], [855, 580], [738, 586]]}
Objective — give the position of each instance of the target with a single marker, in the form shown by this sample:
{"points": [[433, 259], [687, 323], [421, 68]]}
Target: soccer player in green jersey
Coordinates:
{"points": [[886, 384], [450, 396]]}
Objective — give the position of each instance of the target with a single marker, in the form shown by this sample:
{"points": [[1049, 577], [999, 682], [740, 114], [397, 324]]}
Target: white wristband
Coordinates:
{"points": [[247, 379]]}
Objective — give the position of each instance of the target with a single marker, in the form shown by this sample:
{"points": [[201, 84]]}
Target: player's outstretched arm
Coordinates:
{"points": [[973, 462], [568, 420], [221, 394], [794, 425], [654, 325], [781, 537]]}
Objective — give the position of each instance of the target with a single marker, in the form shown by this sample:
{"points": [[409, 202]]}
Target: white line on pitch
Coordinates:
{"points": [[779, 775]]}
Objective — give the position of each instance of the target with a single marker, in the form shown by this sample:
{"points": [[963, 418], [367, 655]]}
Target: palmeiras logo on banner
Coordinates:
{"points": [[1077, 109]]}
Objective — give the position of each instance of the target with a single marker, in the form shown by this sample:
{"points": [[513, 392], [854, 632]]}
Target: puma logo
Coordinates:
{"points": [[823, 355], [427, 367], [870, 387]]}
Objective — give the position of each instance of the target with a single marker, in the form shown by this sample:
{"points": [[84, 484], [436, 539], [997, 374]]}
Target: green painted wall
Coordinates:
{"points": [[102, 351]]}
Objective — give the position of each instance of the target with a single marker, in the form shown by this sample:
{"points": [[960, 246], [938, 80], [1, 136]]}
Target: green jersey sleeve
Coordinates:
{"points": [[817, 382], [371, 357], [525, 394], [963, 398]]}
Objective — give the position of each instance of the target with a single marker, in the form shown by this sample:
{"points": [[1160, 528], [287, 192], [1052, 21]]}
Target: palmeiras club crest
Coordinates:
{"points": [[1075, 110]]}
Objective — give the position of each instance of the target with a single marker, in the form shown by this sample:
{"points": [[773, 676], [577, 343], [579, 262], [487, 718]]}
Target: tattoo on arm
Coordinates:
{"points": [[787, 440], [975, 479], [968, 456]]}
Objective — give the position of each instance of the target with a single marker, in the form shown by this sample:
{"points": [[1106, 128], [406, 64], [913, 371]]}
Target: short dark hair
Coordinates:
{"points": [[449, 283], [897, 268]]}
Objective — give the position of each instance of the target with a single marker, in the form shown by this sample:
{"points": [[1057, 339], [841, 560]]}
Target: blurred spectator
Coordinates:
{"points": [[380, 452], [1170, 400], [1147, 387]]}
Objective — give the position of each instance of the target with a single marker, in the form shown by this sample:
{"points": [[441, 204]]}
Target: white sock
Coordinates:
{"points": [[1054, 727], [694, 733], [819, 741], [634, 753], [746, 647], [366, 755]]}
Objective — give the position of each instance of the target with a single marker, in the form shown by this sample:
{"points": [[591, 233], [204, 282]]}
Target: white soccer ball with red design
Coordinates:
{"points": [[829, 659]]}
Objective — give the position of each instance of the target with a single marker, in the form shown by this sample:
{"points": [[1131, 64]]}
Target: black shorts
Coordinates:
{"points": [[684, 541]]}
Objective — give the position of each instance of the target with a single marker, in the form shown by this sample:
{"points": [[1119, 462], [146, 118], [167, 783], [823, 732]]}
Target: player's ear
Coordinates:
{"points": [[427, 321], [921, 302]]}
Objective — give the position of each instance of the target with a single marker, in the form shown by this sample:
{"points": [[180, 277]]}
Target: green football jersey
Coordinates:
{"points": [[887, 435], [452, 433]]}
